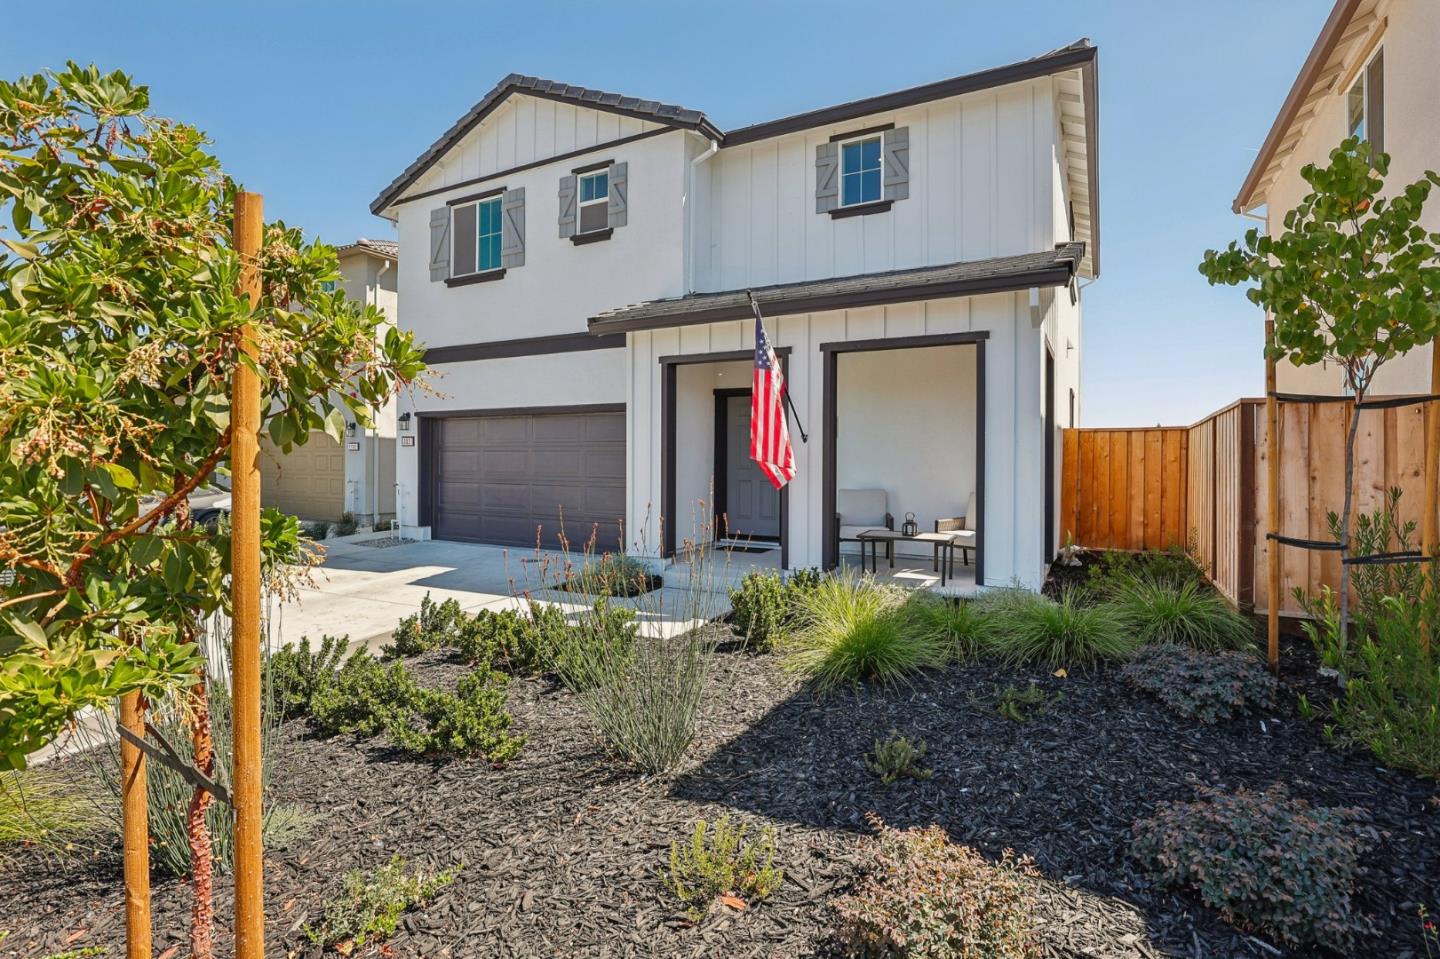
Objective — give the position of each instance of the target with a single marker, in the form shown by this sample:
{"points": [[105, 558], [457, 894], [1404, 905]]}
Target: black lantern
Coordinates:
{"points": [[909, 527], [404, 422]]}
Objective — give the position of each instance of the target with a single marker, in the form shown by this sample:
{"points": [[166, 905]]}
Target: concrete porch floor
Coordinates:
{"points": [[728, 568]]}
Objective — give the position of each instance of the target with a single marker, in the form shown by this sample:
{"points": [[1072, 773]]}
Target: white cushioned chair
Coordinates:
{"points": [[963, 529], [857, 510]]}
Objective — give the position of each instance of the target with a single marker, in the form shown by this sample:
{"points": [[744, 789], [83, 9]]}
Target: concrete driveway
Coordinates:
{"points": [[363, 591]]}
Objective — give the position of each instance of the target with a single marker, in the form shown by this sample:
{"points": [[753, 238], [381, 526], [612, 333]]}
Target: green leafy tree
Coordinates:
{"points": [[119, 331], [1353, 279]]}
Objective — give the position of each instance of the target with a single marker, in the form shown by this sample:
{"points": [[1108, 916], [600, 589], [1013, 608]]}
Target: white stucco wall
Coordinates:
{"points": [[370, 468]]}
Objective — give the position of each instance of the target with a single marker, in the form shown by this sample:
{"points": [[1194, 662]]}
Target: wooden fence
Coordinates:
{"points": [[1217, 503]]}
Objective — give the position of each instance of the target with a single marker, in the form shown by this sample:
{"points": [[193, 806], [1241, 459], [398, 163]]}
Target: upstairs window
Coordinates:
{"points": [[594, 201], [476, 231], [860, 171], [1365, 104]]}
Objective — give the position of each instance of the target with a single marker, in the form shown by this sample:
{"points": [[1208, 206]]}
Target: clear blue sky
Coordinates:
{"points": [[318, 104]]}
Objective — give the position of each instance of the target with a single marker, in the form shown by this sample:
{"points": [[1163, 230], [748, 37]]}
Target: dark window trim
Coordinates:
{"points": [[484, 276], [594, 167], [725, 356], [830, 365], [861, 209], [558, 158], [594, 236], [865, 132], [473, 197], [524, 346], [522, 410]]}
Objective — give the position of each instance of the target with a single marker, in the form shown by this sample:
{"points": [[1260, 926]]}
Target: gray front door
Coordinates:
{"points": [[510, 478], [752, 505]]}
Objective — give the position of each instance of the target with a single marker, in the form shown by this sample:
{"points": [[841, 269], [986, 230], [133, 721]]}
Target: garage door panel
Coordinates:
{"points": [[308, 482], [500, 477]]}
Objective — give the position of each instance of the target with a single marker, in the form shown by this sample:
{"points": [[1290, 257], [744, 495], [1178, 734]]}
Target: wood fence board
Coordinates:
{"points": [[1154, 491], [1136, 506], [1102, 484], [1089, 505], [1119, 487], [1328, 422], [1069, 481]]}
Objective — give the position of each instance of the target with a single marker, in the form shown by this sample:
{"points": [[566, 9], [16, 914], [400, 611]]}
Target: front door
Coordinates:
{"points": [[752, 505]]}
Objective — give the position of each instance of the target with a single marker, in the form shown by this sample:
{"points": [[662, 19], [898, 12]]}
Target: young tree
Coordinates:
{"points": [[119, 331], [1353, 279]]}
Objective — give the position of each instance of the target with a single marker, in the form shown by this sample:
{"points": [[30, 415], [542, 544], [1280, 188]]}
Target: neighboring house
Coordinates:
{"points": [[323, 479], [1373, 73], [917, 255]]}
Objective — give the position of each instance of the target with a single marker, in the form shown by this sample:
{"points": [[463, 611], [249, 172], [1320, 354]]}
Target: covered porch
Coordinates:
{"points": [[729, 567]]}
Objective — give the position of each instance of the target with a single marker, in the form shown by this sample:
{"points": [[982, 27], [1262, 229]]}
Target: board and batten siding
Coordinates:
{"points": [[1013, 473], [982, 169]]}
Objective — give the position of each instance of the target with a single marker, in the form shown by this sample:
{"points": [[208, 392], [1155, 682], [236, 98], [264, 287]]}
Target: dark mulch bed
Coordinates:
{"points": [[564, 851]]}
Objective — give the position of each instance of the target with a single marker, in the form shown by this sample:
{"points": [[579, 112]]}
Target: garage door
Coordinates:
{"points": [[308, 482], [498, 478]]}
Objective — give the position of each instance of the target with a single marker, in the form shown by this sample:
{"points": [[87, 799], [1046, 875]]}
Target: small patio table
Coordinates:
{"points": [[940, 541]]}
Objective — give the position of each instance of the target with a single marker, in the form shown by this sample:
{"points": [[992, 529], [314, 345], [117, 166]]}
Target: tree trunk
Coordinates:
{"points": [[1345, 523], [202, 914], [135, 817]]}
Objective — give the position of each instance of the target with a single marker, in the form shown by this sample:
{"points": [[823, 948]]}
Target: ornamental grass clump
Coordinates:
{"points": [[649, 711], [40, 809], [1033, 630], [1265, 860], [719, 864], [855, 630], [1188, 613], [924, 897], [960, 627], [1209, 687]]}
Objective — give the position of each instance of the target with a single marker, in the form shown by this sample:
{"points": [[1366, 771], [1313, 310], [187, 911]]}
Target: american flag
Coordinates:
{"points": [[769, 434]]}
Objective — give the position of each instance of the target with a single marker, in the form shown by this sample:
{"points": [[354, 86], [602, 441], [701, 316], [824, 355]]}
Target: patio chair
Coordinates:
{"points": [[963, 528], [857, 510]]}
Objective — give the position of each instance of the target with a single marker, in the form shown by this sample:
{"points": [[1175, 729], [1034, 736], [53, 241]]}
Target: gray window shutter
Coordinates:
{"points": [[619, 195], [1375, 104], [512, 228], [897, 163], [440, 244], [827, 177], [567, 206]]}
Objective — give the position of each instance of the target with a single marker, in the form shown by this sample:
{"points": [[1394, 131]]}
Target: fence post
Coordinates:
{"points": [[1430, 527], [245, 586], [1272, 504]]}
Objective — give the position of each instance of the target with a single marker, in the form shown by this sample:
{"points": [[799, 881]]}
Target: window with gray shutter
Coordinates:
{"points": [[567, 206], [594, 201], [619, 194], [440, 244], [1375, 102], [462, 256], [512, 242], [827, 177], [897, 163]]}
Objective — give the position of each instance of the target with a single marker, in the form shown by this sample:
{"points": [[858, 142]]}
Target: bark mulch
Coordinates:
{"points": [[565, 851]]}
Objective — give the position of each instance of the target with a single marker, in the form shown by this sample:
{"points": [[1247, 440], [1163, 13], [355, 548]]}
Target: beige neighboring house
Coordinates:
{"points": [[323, 479], [1374, 72]]}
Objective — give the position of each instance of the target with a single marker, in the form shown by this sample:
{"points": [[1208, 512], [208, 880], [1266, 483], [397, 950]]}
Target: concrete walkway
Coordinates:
{"points": [[363, 591]]}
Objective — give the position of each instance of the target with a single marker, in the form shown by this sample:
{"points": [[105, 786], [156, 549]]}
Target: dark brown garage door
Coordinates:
{"points": [[499, 478]]}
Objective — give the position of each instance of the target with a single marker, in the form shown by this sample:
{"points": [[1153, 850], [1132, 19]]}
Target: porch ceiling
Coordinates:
{"points": [[966, 278]]}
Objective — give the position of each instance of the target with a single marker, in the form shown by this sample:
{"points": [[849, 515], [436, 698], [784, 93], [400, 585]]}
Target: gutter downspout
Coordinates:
{"points": [[375, 442], [690, 225]]}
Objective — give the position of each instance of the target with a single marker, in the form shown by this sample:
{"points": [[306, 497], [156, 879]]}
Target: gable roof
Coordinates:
{"points": [[1344, 28], [966, 278], [386, 249], [652, 110]]}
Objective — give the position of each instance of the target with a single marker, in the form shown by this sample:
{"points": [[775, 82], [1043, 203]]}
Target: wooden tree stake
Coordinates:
{"points": [[1430, 525], [135, 816], [245, 586], [1272, 504]]}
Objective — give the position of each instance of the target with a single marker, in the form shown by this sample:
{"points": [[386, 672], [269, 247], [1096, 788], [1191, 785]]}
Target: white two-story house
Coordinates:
{"points": [[577, 264]]}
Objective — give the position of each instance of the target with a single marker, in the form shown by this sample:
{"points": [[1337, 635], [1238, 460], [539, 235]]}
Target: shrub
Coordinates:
{"points": [[855, 629], [347, 525], [1068, 633], [294, 674], [1117, 570], [41, 810], [369, 907], [534, 650], [595, 651], [315, 529], [362, 697], [719, 862], [768, 607], [1021, 705], [482, 638], [923, 897], [1191, 614], [435, 625], [896, 757], [961, 628], [1263, 859], [613, 574], [648, 711], [1199, 685]]}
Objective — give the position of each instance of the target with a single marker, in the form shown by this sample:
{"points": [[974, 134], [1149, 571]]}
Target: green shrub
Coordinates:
{"points": [[768, 607], [315, 529], [959, 627], [1066, 634], [347, 525], [1263, 859], [1200, 685], [896, 757], [613, 574], [854, 630], [647, 711], [1191, 614], [482, 638], [595, 651], [1020, 705], [434, 626], [719, 862], [532, 652], [40, 809], [1118, 570], [369, 907], [294, 674], [924, 897], [362, 697]]}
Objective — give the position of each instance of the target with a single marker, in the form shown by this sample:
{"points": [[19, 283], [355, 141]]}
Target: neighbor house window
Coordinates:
{"points": [[860, 171], [328, 286], [477, 237], [594, 201], [1365, 104]]}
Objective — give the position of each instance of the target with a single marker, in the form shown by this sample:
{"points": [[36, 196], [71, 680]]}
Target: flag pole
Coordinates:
{"points": [[790, 403]]}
